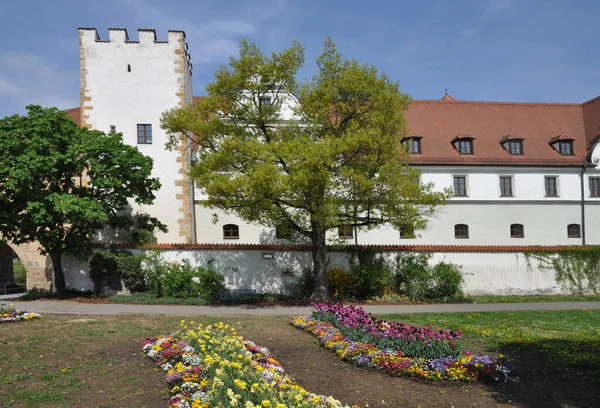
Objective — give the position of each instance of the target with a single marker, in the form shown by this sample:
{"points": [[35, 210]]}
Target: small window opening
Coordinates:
{"points": [[231, 231], [345, 232], [128, 68]]}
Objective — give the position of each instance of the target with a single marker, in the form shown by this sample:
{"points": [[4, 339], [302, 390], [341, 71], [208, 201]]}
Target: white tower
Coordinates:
{"points": [[125, 86]]}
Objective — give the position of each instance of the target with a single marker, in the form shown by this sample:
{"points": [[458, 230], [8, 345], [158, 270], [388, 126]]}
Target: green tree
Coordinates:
{"points": [[335, 160], [60, 184]]}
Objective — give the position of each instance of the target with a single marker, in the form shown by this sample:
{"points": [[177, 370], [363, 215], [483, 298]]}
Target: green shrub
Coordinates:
{"points": [[181, 281], [370, 275], [412, 277], [102, 267], [446, 281], [154, 271], [306, 284], [418, 281], [210, 283], [339, 281], [108, 267], [130, 269]]}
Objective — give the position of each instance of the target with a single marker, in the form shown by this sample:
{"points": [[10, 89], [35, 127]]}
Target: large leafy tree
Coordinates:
{"points": [[60, 184], [315, 156]]}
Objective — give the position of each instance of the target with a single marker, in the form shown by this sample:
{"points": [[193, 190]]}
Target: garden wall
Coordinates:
{"points": [[275, 270]]}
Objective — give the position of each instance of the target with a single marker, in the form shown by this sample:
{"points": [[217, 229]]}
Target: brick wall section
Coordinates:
{"points": [[183, 197]]}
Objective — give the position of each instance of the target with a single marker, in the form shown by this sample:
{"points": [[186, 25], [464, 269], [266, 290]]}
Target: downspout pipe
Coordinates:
{"points": [[582, 205]]}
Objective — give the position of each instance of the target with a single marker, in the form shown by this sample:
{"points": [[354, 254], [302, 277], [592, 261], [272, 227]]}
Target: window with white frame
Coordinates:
{"points": [[551, 186], [506, 186], [460, 186]]}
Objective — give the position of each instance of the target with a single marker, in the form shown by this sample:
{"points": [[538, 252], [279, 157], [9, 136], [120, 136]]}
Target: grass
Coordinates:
{"points": [[95, 361], [20, 274], [67, 361], [562, 338], [150, 299], [535, 298]]}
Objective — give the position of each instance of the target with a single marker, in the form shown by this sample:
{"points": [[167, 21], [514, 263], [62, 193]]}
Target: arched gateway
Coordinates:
{"points": [[37, 266]]}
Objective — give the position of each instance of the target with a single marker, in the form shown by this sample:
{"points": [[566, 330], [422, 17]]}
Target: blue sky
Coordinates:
{"points": [[504, 50]]}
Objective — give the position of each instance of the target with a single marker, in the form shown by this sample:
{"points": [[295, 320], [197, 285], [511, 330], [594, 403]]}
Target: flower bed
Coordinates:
{"points": [[212, 366], [462, 366], [414, 341], [16, 315]]}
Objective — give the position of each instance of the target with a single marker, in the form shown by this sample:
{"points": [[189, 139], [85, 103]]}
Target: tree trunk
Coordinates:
{"points": [[319, 255], [59, 277]]}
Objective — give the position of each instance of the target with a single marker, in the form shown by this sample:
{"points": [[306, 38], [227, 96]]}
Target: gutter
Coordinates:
{"points": [[582, 206]]}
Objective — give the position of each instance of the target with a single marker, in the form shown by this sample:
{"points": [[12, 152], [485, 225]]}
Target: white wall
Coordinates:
{"points": [[483, 183], [125, 99], [484, 273]]}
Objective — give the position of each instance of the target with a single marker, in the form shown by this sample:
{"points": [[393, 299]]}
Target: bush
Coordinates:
{"points": [[418, 281], [412, 277], [339, 281], [108, 267], [210, 283], [446, 281], [370, 275], [306, 284], [181, 281]]}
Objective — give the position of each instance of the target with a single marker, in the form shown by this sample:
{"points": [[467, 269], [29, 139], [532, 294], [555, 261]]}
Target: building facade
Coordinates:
{"points": [[522, 174]]}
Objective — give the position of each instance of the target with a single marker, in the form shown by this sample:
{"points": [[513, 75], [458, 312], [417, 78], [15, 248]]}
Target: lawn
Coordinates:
{"points": [[534, 298], [20, 274], [95, 361]]}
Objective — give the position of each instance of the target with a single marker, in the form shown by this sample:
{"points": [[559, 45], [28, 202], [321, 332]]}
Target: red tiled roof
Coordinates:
{"points": [[381, 248], [591, 119], [75, 114], [440, 122]]}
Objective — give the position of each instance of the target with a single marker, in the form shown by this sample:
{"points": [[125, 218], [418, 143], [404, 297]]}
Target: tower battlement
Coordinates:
{"points": [[146, 36]]}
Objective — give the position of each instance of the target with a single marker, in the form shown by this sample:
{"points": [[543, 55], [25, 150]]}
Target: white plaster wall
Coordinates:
{"points": [[489, 224], [483, 183], [484, 273], [125, 99], [501, 274]]}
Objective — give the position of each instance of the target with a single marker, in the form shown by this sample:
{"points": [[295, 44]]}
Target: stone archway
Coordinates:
{"points": [[38, 267]]}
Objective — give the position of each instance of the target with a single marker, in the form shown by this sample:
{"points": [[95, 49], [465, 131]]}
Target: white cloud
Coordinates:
{"points": [[29, 78], [7, 88], [211, 39]]}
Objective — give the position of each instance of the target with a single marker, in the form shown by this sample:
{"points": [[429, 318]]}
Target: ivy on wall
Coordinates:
{"points": [[577, 267]]}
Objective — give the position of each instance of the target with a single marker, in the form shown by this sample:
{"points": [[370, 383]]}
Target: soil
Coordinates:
{"points": [[322, 372]]}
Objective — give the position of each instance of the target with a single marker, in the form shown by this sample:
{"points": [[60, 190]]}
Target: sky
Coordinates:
{"points": [[488, 50]]}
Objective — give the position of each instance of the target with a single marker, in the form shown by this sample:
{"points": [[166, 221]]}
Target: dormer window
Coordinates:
{"points": [[465, 146], [463, 143], [565, 147], [563, 144], [413, 144], [515, 147], [513, 144]]}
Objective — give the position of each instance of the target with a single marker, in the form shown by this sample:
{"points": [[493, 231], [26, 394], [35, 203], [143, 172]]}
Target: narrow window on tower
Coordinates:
{"points": [[144, 134], [128, 68]]}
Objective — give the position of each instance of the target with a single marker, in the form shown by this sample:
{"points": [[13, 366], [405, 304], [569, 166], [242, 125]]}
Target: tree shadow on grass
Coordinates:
{"points": [[552, 373]]}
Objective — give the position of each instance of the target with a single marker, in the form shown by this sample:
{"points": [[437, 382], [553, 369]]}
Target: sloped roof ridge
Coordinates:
{"points": [[503, 103]]}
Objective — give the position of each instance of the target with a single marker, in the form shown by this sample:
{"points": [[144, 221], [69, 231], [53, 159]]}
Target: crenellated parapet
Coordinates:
{"points": [[145, 36]]}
